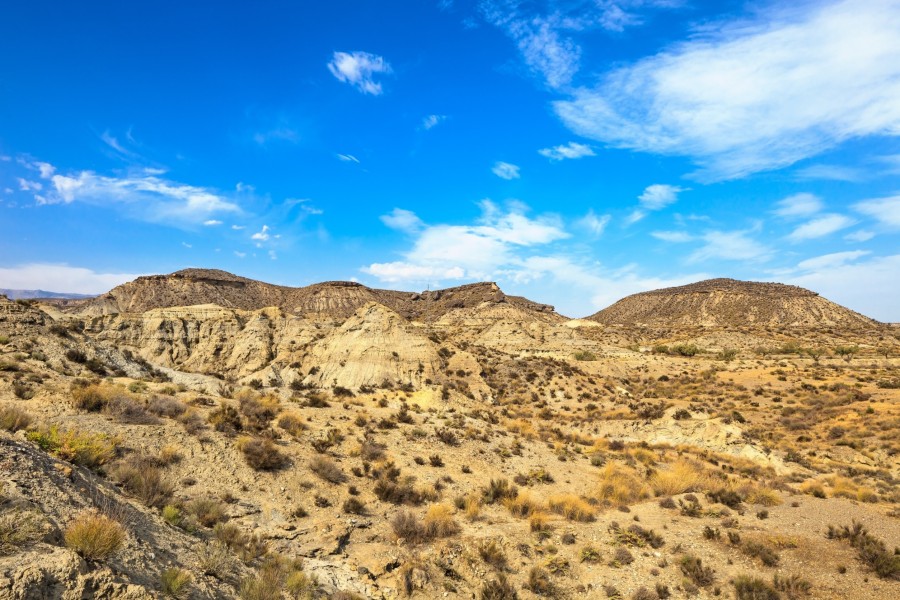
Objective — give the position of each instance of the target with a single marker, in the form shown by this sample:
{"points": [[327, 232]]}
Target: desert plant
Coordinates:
{"points": [[618, 485], [262, 454], [207, 511], [498, 589], [792, 586], [438, 521], [214, 558], [144, 480], [13, 418], [693, 569], [86, 449], [498, 490], [572, 507], [539, 582], [94, 536], [753, 588], [492, 554], [19, 528], [175, 583], [327, 469]]}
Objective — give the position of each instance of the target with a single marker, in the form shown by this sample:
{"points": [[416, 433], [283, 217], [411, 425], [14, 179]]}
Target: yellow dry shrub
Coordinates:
{"points": [[813, 488], [472, 507], [438, 521], [764, 496], [522, 505], [645, 456], [523, 427], [619, 485], [539, 521], [572, 507], [94, 536], [679, 477]]}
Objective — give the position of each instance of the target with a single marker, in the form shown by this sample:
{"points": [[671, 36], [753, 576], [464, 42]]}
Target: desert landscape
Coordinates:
{"points": [[204, 435]]}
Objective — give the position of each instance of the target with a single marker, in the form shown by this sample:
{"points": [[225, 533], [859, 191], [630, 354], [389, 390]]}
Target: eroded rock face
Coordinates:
{"points": [[327, 300], [373, 345], [731, 303]]}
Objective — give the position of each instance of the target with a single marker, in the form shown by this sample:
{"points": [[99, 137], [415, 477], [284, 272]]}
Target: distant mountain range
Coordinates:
{"points": [[26, 294]]}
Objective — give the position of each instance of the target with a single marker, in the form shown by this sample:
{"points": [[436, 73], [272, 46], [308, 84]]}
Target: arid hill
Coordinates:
{"points": [[731, 303], [330, 299]]}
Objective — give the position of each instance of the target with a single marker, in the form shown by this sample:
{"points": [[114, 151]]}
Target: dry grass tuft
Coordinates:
{"points": [[619, 485], [680, 477], [572, 507], [94, 536]]}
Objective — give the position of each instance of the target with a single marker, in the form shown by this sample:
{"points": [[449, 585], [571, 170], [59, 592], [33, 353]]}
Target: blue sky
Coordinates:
{"points": [[573, 151]]}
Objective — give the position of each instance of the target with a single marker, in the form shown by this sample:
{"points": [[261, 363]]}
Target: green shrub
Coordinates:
{"points": [[752, 588], [175, 583], [86, 449]]}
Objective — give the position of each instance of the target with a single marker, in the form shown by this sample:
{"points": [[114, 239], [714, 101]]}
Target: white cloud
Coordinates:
{"points": [[402, 220], [477, 251], [862, 235], [544, 34], [755, 96], [730, 245], [570, 150], [505, 170], [545, 50], [347, 158], [677, 237], [359, 70], [238, 227], [61, 278], [276, 134], [29, 186], [262, 235], [870, 287], [820, 227], [146, 197], [186, 245], [826, 261], [113, 143], [401, 272], [432, 121], [595, 225], [212, 222], [885, 210], [659, 196], [798, 205], [240, 254], [831, 173]]}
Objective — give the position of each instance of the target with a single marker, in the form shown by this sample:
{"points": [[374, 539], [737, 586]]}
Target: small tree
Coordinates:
{"points": [[816, 353], [846, 352]]}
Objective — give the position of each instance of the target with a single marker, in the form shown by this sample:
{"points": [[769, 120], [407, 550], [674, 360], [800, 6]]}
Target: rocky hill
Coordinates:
{"points": [[330, 299], [731, 303]]}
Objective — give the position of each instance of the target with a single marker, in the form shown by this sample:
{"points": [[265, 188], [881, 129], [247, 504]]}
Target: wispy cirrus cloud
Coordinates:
{"points": [[505, 170], [654, 197], [798, 205], [593, 223], [360, 69], [432, 121], [731, 245], [885, 210], [140, 193], [754, 96], [571, 150], [544, 32], [820, 227]]}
